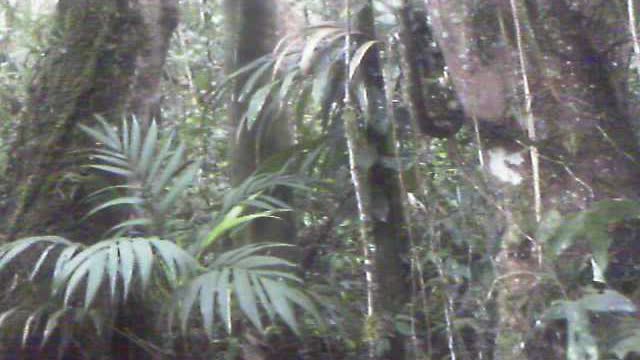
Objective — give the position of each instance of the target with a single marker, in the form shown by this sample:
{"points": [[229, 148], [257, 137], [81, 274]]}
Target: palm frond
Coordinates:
{"points": [[154, 169], [117, 263], [260, 285], [40, 323], [112, 265]]}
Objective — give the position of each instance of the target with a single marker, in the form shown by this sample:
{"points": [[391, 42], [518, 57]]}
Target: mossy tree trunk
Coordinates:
{"points": [[532, 70], [380, 202], [104, 59]]}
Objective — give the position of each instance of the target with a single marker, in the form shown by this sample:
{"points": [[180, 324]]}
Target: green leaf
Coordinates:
{"points": [[263, 261], [277, 274], [71, 265], [276, 291], [109, 132], [180, 185], [59, 273], [150, 141], [358, 55], [30, 324], [246, 68], [125, 137], [301, 299], [136, 138], [223, 298], [231, 257], [186, 305], [286, 85], [78, 274], [117, 162], [232, 221], [144, 255], [176, 262], [253, 80], [312, 43], [257, 103], [127, 263], [4, 317], [113, 170], [322, 83], [627, 346], [159, 159], [113, 269], [169, 171], [132, 200], [262, 296], [94, 280], [41, 261], [9, 251], [52, 324], [207, 303], [111, 153], [132, 223], [246, 297]]}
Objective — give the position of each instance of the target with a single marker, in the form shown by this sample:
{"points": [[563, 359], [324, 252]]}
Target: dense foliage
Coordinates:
{"points": [[455, 180]]}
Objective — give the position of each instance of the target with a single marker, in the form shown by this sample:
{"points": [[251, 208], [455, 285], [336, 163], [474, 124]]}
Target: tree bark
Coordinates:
{"points": [[494, 51], [381, 205], [160, 19], [100, 51], [253, 29]]}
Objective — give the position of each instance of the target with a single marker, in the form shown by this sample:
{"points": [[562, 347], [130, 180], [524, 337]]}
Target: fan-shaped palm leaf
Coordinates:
{"points": [[121, 261], [110, 262], [260, 284]]}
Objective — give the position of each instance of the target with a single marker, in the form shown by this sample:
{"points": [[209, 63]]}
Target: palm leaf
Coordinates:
{"points": [[156, 174], [256, 284], [104, 264]]}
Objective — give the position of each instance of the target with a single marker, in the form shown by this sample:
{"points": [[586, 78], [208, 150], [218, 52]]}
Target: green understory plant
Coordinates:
{"points": [[85, 284]]}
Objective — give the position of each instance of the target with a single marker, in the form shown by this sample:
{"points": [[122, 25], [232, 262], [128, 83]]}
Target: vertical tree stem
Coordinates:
{"points": [[360, 181]]}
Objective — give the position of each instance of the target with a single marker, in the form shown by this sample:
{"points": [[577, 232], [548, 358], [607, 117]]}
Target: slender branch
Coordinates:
{"points": [[531, 126], [632, 27]]}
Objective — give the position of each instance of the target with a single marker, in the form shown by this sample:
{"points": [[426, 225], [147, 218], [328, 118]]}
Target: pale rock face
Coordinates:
{"points": [[502, 164]]}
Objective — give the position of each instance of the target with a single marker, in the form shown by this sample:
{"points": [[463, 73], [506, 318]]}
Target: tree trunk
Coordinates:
{"points": [[99, 52], [581, 144], [253, 29], [81, 76], [380, 195], [160, 18]]}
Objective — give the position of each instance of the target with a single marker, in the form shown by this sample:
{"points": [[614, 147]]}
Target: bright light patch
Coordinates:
{"points": [[501, 165]]}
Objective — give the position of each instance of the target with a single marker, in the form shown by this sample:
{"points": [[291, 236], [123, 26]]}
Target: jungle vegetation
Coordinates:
{"points": [[320, 179]]}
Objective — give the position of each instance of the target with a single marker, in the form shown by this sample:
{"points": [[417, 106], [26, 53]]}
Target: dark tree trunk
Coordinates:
{"points": [[390, 243]]}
